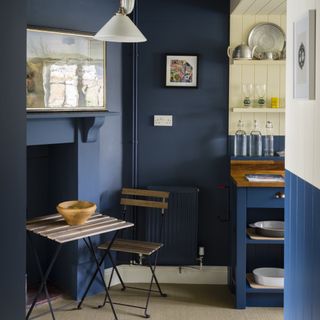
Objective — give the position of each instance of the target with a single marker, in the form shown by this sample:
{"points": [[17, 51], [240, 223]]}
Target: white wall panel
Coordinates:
{"points": [[273, 75], [271, 6], [280, 9], [303, 116], [235, 75], [235, 30], [256, 7], [243, 6], [248, 23], [261, 77]]}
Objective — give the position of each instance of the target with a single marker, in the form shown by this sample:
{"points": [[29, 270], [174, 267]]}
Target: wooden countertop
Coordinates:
{"points": [[239, 168]]}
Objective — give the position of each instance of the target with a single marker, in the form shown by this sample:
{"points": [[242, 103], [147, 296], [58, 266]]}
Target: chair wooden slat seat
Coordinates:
{"points": [[132, 246]]}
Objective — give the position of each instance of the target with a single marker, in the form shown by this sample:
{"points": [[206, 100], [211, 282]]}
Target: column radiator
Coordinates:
{"points": [[180, 231]]}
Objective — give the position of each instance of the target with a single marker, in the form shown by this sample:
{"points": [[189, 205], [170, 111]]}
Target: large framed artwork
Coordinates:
{"points": [[305, 57], [65, 71], [182, 70]]}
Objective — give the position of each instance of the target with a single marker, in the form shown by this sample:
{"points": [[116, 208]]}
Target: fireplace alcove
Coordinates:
{"points": [[62, 162]]}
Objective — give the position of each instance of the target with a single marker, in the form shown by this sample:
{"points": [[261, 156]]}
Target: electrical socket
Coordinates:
{"points": [[162, 120]]}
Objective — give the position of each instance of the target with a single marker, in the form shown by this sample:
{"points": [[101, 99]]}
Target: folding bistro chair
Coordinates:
{"points": [[144, 250]]}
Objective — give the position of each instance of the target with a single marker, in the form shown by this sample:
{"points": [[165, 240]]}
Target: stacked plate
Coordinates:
{"points": [[274, 229], [270, 277]]}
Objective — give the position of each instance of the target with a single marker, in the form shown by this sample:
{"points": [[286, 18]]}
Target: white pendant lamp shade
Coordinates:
{"points": [[120, 28]]}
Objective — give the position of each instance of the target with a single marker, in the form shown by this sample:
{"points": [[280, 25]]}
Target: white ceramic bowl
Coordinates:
{"points": [[272, 277]]}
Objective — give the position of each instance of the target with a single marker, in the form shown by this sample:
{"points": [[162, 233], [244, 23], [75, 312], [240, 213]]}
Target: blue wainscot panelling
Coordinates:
{"points": [[302, 250]]}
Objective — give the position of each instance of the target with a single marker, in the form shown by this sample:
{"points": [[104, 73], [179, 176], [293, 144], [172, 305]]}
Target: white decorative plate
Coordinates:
{"points": [[267, 37]]}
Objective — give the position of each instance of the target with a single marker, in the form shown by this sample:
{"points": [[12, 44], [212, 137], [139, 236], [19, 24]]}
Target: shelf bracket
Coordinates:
{"points": [[90, 128]]}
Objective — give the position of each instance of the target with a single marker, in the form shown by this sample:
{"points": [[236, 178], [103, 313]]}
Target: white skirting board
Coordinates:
{"points": [[170, 274]]}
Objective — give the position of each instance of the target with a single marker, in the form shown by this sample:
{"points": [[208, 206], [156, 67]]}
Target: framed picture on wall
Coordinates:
{"points": [[65, 71], [182, 70], [305, 57]]}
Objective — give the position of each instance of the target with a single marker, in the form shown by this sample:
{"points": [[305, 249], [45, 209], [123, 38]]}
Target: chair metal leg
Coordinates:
{"points": [[149, 290], [153, 269], [157, 282], [44, 278], [114, 267]]}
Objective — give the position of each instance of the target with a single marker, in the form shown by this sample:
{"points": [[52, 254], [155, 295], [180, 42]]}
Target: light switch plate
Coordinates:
{"points": [[162, 120]]}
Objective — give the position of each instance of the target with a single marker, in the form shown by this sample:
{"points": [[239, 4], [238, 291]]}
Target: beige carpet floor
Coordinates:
{"points": [[184, 302]]}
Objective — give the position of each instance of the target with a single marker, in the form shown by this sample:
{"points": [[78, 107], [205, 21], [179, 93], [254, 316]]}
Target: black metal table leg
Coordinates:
{"points": [[98, 265], [44, 277], [93, 254], [111, 276]]}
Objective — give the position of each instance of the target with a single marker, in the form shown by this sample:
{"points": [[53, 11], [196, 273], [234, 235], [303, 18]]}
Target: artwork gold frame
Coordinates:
{"points": [[66, 71]]}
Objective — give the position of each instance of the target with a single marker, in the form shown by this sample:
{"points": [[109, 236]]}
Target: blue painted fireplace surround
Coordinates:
{"points": [[63, 154]]}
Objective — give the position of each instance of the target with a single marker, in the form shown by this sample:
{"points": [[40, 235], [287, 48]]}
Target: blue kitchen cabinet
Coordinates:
{"points": [[248, 205]]}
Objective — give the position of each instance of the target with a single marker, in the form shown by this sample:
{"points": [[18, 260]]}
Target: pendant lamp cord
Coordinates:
{"points": [[122, 10]]}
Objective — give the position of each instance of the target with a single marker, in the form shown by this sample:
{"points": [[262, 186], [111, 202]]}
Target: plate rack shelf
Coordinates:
{"points": [[259, 110]]}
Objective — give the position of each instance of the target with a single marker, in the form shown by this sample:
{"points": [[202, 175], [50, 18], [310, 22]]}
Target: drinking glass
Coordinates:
{"points": [[260, 94], [247, 94]]}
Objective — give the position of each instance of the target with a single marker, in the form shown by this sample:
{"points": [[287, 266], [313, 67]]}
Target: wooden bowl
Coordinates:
{"points": [[76, 212]]}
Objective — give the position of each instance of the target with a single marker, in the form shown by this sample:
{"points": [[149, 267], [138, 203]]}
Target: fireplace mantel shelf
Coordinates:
{"points": [[59, 115], [59, 127]]}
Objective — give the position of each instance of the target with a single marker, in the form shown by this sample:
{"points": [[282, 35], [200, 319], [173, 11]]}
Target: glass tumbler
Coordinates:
{"points": [[260, 94], [247, 94]]}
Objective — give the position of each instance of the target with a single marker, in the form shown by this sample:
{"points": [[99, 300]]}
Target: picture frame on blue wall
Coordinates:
{"points": [[182, 70], [66, 71], [304, 57]]}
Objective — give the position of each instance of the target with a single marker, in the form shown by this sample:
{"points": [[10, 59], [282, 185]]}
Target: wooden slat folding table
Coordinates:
{"points": [[56, 229]]}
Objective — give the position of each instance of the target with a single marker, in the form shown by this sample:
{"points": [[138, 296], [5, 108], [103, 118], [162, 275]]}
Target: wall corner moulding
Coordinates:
{"points": [[304, 57]]}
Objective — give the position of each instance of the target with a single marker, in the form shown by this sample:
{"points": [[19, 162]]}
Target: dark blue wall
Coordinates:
{"points": [[12, 161], [194, 151], [302, 250]]}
